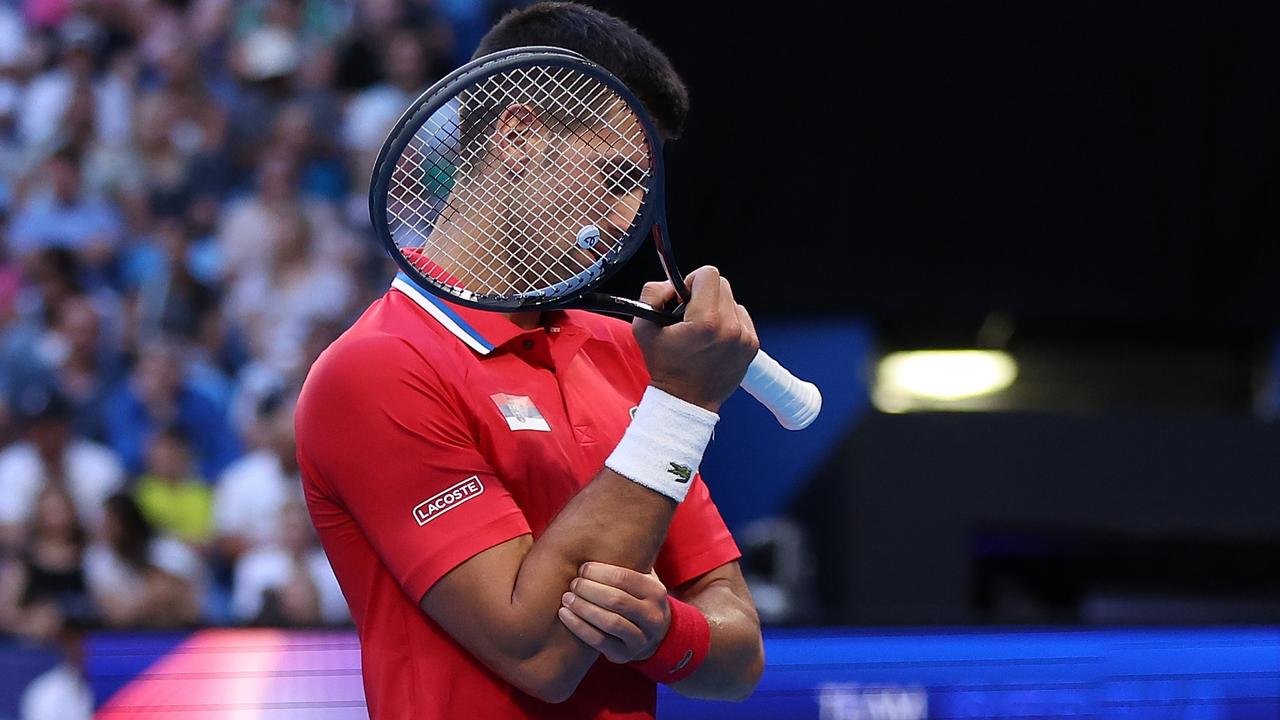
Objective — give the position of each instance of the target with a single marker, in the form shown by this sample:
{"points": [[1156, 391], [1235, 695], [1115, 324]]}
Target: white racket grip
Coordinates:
{"points": [[793, 401]]}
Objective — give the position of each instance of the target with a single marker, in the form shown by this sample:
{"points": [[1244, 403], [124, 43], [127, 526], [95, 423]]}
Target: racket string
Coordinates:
{"points": [[542, 269], [560, 195], [581, 162], [406, 223], [480, 263], [478, 268], [490, 244], [487, 200], [547, 237], [539, 238], [529, 254]]}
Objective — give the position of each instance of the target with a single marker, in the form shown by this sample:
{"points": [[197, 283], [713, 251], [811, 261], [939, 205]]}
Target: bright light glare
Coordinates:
{"points": [[941, 375]]}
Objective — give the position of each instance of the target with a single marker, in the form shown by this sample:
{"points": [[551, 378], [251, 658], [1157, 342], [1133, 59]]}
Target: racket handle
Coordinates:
{"points": [[793, 401]]}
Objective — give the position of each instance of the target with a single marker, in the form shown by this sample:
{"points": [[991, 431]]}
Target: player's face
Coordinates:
{"points": [[577, 191]]}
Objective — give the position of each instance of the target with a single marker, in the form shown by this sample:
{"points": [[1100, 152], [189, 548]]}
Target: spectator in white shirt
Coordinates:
{"points": [[252, 491], [374, 110], [290, 582], [54, 102], [50, 455], [248, 229], [61, 692], [277, 303], [140, 579]]}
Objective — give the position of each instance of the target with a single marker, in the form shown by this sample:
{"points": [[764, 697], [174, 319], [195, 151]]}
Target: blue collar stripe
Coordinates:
{"points": [[443, 313]]}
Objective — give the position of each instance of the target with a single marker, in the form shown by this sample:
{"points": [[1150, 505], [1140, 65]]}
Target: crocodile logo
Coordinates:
{"points": [[683, 473]]}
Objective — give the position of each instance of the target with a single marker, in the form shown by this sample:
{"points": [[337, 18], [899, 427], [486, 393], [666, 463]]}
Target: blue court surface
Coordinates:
{"points": [[1184, 673]]}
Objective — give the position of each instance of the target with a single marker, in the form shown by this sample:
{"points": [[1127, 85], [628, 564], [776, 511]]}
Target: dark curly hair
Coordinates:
{"points": [[605, 40]]}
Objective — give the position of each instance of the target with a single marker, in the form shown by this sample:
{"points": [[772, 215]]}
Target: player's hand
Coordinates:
{"points": [[622, 613], [703, 358]]}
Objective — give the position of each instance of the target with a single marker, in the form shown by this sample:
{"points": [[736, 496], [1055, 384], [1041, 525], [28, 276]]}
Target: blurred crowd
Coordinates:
{"points": [[183, 228]]}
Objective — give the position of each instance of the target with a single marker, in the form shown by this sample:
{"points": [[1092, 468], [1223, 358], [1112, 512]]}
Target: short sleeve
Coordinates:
{"points": [[384, 439], [697, 541]]}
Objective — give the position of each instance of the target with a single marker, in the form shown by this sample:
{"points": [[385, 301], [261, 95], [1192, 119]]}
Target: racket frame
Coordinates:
{"points": [[794, 402], [651, 220]]}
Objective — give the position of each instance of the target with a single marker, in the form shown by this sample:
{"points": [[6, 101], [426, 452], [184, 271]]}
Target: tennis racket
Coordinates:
{"points": [[523, 180]]}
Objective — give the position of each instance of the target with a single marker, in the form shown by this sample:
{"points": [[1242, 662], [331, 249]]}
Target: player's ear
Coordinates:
{"points": [[514, 137]]}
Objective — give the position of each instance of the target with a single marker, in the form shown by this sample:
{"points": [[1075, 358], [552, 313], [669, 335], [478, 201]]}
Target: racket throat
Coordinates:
{"points": [[667, 256], [625, 307]]}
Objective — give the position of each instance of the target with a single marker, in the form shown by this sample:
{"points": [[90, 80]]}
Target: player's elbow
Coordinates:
{"points": [[554, 691], [733, 678], [546, 679], [750, 676]]}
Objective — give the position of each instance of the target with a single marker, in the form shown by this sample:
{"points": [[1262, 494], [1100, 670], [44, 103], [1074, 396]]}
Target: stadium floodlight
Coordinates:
{"points": [[933, 379]]}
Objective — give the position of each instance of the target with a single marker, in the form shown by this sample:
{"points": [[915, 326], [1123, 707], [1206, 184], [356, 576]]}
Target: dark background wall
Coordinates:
{"points": [[1075, 163], [1103, 179], [1048, 519]]}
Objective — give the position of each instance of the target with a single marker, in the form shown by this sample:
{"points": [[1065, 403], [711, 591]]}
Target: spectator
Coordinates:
{"points": [[374, 110], [43, 585], [16, 338], [360, 53], [265, 60], [250, 495], [158, 395], [324, 107], [51, 455], [13, 54], [172, 498], [71, 99], [63, 215], [62, 692], [54, 277], [171, 300], [322, 173], [312, 20], [159, 27], [140, 579], [181, 131], [277, 303], [251, 226], [259, 380], [81, 364], [289, 582], [182, 221]]}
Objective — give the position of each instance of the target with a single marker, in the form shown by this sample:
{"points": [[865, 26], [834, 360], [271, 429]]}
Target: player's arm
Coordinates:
{"points": [[502, 603], [626, 615], [736, 661]]}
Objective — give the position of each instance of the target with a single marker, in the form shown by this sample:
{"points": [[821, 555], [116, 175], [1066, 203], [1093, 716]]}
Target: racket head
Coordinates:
{"points": [[554, 223]]}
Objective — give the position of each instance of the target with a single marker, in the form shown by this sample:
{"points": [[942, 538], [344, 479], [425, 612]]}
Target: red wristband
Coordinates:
{"points": [[684, 648]]}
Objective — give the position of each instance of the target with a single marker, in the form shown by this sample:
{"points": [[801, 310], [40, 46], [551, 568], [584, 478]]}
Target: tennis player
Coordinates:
{"points": [[511, 503]]}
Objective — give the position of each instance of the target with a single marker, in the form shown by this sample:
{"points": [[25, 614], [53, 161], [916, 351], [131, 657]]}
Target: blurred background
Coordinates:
{"points": [[1026, 250]]}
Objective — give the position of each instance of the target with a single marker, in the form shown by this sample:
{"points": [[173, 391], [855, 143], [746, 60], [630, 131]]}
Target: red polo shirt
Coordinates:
{"points": [[430, 432]]}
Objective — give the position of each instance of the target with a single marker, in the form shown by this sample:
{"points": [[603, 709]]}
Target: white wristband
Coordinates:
{"points": [[663, 446]]}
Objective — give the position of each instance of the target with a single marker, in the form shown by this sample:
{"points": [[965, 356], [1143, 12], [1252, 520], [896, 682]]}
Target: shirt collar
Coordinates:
{"points": [[480, 330]]}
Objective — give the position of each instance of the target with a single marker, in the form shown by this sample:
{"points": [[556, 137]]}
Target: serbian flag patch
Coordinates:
{"points": [[520, 412]]}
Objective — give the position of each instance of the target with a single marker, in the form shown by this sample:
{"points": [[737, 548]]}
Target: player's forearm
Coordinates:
{"points": [[736, 660], [612, 520], [619, 518]]}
